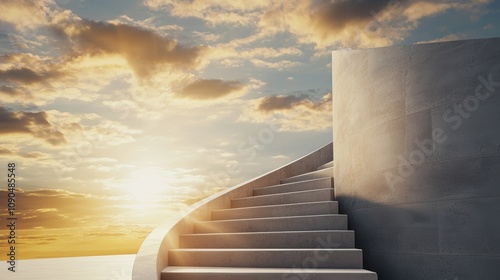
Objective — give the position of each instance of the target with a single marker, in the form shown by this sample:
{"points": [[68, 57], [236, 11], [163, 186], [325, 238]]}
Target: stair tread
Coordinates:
{"points": [[271, 218], [264, 249], [279, 194], [288, 223], [281, 188], [325, 194], [277, 210], [310, 175], [269, 232], [195, 269], [326, 165], [266, 257], [275, 205]]}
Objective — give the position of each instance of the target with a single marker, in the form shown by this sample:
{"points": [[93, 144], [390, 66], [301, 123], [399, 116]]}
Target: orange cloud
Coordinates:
{"points": [[210, 89]]}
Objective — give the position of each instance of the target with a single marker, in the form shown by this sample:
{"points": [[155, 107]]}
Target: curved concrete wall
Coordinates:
{"points": [[417, 157]]}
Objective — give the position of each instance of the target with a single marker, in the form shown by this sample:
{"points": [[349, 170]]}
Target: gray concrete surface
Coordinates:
{"points": [[417, 157], [295, 231]]}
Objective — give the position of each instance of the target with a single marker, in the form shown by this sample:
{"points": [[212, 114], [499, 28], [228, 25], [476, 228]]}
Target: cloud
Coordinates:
{"points": [[96, 53], [101, 132], [337, 15], [205, 36], [34, 124], [12, 152], [145, 50], [450, 37], [358, 23], [27, 76], [265, 57], [37, 80], [281, 65], [280, 102], [48, 215], [291, 112], [240, 12], [24, 14], [323, 23], [210, 89]]}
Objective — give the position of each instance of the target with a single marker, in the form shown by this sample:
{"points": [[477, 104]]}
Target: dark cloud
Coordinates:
{"points": [[35, 124], [8, 90], [281, 102], [289, 102], [210, 89], [144, 50], [26, 76], [339, 14]]}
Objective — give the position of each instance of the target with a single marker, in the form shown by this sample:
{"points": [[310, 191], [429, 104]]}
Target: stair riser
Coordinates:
{"points": [[300, 197], [323, 183], [317, 258], [328, 222], [327, 172], [333, 239], [298, 275], [326, 165], [303, 209]]}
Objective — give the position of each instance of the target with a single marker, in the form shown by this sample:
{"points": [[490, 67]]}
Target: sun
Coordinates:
{"points": [[146, 183]]}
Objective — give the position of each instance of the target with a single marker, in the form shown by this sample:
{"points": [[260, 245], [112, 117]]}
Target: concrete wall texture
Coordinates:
{"points": [[417, 157]]}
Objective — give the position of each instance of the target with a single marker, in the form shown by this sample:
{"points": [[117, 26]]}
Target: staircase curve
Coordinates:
{"points": [[283, 225]]}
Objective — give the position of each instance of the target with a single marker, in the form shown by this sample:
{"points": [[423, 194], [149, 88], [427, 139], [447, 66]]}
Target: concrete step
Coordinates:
{"points": [[272, 258], [295, 223], [284, 198], [280, 239], [322, 183], [246, 273], [296, 209], [326, 165], [327, 172]]}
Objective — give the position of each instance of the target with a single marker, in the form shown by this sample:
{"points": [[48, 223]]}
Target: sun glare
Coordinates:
{"points": [[145, 184]]}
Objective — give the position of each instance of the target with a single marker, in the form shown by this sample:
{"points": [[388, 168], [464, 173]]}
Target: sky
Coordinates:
{"points": [[119, 114]]}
